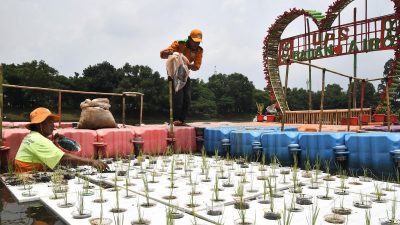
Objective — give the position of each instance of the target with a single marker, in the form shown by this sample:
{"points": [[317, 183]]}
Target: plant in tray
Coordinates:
{"points": [[307, 167], [252, 188], [388, 185], [378, 193], [239, 198], [296, 187], [341, 210], [117, 208], [287, 216], [101, 198], [367, 217], [342, 188], [271, 214], [216, 189], [65, 203], [29, 192], [293, 206], [81, 212], [362, 202], [326, 195], [391, 217], [140, 217], [146, 191], [313, 214], [365, 177], [100, 220], [303, 199], [263, 198], [228, 182], [328, 176], [127, 185], [243, 220]]}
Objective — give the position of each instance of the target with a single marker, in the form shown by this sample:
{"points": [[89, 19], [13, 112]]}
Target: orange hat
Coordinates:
{"points": [[196, 35], [40, 114]]}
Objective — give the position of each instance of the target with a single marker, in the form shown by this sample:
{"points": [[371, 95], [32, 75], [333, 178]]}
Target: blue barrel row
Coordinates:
{"points": [[379, 152]]}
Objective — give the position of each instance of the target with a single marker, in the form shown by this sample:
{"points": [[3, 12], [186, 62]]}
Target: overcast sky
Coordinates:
{"points": [[70, 35]]}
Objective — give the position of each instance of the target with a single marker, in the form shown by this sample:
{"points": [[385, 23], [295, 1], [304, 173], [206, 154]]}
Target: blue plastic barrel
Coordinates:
{"points": [[213, 137], [276, 144], [242, 141], [373, 151], [320, 144]]}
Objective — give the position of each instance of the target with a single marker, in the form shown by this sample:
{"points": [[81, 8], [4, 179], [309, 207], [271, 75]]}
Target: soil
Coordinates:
{"points": [[264, 202], [192, 205], [96, 221], [214, 212], [100, 200], [145, 205], [363, 205], [241, 205], [227, 185], [169, 197], [334, 218], [63, 205], [118, 210], [324, 197], [341, 211], [143, 222], [176, 215], [272, 215]]}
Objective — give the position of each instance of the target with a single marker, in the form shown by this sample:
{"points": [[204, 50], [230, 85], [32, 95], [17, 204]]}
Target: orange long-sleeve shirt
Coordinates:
{"points": [[180, 46]]}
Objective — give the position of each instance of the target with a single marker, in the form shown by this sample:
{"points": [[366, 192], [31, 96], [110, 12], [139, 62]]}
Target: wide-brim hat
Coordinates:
{"points": [[39, 115]]}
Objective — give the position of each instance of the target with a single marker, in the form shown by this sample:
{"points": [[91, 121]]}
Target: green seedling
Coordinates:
{"points": [[313, 216]]}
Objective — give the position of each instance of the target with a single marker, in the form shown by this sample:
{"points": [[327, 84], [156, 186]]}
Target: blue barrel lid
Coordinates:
{"points": [[225, 140], [294, 145], [340, 147]]}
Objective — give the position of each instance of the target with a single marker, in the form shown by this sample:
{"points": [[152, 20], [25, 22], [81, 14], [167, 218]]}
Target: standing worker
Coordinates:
{"points": [[191, 49]]}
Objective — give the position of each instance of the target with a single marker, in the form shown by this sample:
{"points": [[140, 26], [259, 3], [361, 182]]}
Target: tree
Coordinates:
{"points": [[203, 100]]}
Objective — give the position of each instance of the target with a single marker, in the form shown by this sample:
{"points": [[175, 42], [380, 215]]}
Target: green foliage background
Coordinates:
{"points": [[222, 97]]}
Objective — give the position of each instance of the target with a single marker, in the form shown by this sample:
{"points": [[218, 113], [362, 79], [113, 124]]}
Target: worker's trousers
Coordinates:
{"points": [[181, 102]]}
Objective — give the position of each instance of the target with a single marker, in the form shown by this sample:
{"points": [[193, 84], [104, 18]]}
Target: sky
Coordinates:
{"points": [[70, 35]]}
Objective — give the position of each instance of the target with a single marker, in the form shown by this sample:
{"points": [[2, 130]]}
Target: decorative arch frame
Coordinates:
{"points": [[271, 44]]}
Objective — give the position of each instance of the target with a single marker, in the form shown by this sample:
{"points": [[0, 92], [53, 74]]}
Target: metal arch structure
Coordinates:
{"points": [[271, 53]]}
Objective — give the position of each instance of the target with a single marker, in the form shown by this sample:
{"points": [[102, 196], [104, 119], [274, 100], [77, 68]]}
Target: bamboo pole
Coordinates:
{"points": [[309, 69], [321, 112], [1, 104], [59, 108], [355, 61], [362, 102], [349, 104], [284, 96], [171, 116], [141, 111], [123, 110], [388, 104]]}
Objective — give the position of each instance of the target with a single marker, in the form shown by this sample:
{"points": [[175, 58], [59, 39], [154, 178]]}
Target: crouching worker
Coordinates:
{"points": [[37, 151]]}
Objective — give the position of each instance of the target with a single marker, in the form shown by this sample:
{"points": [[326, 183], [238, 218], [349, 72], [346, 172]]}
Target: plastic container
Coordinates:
{"points": [[242, 141], [154, 138], [213, 137], [84, 137], [320, 144], [372, 150], [277, 143], [12, 138], [118, 141]]}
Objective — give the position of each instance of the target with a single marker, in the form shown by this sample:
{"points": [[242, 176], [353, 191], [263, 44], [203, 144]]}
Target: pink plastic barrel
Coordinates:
{"points": [[185, 139], [6, 124], [154, 138], [118, 141], [12, 138], [20, 124], [84, 137]]}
